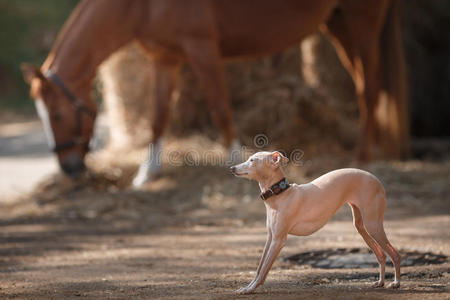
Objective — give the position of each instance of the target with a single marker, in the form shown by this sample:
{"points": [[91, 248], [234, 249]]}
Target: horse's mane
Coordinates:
{"points": [[66, 29]]}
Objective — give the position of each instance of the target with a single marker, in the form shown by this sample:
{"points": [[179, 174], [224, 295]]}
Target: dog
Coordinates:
{"points": [[303, 209]]}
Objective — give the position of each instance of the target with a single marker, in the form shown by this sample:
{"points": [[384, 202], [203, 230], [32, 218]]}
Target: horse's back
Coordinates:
{"points": [[261, 27], [241, 27]]}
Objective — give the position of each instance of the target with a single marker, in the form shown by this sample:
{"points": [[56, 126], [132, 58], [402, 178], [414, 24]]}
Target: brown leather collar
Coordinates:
{"points": [[275, 189]]}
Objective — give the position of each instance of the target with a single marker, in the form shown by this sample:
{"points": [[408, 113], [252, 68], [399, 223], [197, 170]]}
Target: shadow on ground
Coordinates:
{"points": [[197, 232]]}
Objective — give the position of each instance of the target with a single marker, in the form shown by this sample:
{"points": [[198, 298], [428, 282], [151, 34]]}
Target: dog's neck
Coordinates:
{"points": [[270, 179]]}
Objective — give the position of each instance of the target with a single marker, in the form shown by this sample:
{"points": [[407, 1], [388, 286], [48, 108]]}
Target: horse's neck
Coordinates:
{"points": [[94, 31]]}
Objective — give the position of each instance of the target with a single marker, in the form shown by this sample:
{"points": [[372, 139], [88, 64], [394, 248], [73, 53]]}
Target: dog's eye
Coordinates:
{"points": [[251, 160]]}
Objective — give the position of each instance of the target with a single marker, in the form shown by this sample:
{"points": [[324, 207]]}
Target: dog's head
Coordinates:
{"points": [[259, 165]]}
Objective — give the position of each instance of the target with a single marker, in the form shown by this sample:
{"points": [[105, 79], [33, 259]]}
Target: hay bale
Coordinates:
{"points": [[126, 79], [268, 95]]}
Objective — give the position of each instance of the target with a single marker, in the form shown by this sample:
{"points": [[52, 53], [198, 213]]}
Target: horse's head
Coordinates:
{"points": [[68, 122]]}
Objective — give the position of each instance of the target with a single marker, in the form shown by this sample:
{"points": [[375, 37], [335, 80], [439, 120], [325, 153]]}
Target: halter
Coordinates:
{"points": [[79, 107]]}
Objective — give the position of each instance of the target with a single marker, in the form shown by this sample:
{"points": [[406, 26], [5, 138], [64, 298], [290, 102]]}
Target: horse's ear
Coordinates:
{"points": [[30, 72]]}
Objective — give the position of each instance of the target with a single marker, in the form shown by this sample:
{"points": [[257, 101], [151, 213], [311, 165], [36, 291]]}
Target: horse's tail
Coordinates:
{"points": [[392, 109]]}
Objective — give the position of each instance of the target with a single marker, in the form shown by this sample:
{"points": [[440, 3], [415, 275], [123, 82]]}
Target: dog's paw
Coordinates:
{"points": [[378, 284], [394, 285], [244, 290]]}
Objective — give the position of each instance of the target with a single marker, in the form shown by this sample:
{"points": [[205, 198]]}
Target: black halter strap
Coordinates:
{"points": [[79, 107]]}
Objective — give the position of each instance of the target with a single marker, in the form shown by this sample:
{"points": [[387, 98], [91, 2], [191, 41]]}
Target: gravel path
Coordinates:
{"points": [[194, 239], [24, 158]]}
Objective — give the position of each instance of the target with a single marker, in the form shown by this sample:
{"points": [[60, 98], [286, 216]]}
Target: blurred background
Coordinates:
{"points": [[29, 29], [308, 93], [306, 88]]}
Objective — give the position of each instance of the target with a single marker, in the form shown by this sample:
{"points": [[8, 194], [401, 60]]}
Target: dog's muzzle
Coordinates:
{"points": [[235, 173]]}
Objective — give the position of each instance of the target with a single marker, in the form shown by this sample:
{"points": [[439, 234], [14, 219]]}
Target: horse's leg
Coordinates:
{"points": [[204, 57], [165, 80], [355, 31]]}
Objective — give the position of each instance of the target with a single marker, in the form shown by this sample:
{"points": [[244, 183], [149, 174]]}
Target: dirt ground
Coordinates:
{"points": [[197, 233]]}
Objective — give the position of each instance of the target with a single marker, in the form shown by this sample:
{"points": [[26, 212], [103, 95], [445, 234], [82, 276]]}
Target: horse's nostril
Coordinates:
{"points": [[73, 166]]}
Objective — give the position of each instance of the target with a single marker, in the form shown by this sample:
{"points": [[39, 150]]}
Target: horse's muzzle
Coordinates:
{"points": [[73, 166]]}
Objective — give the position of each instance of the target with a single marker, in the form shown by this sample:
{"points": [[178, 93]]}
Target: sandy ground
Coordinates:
{"points": [[197, 233], [68, 260]]}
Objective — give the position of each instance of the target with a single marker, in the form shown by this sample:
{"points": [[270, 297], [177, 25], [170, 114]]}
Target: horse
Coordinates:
{"points": [[204, 34]]}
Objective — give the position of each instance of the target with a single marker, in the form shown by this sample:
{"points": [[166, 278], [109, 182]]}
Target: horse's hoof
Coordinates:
{"points": [[378, 284], [394, 285], [146, 173], [140, 180]]}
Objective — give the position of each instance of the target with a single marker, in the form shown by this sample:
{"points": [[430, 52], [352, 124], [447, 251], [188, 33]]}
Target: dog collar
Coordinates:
{"points": [[275, 189]]}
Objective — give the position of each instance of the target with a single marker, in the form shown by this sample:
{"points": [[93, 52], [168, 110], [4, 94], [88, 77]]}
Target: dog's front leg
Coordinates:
{"points": [[263, 258], [264, 254], [274, 249]]}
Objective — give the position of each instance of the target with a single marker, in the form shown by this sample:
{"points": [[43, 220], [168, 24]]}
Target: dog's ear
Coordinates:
{"points": [[278, 158], [30, 72]]}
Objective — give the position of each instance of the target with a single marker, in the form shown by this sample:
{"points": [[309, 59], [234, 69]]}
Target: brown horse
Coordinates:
{"points": [[203, 33]]}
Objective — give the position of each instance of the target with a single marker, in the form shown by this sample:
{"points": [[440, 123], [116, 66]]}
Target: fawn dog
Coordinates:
{"points": [[303, 209]]}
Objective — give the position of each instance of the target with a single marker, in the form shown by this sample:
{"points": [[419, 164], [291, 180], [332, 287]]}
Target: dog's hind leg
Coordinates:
{"points": [[373, 222], [381, 257], [376, 230]]}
